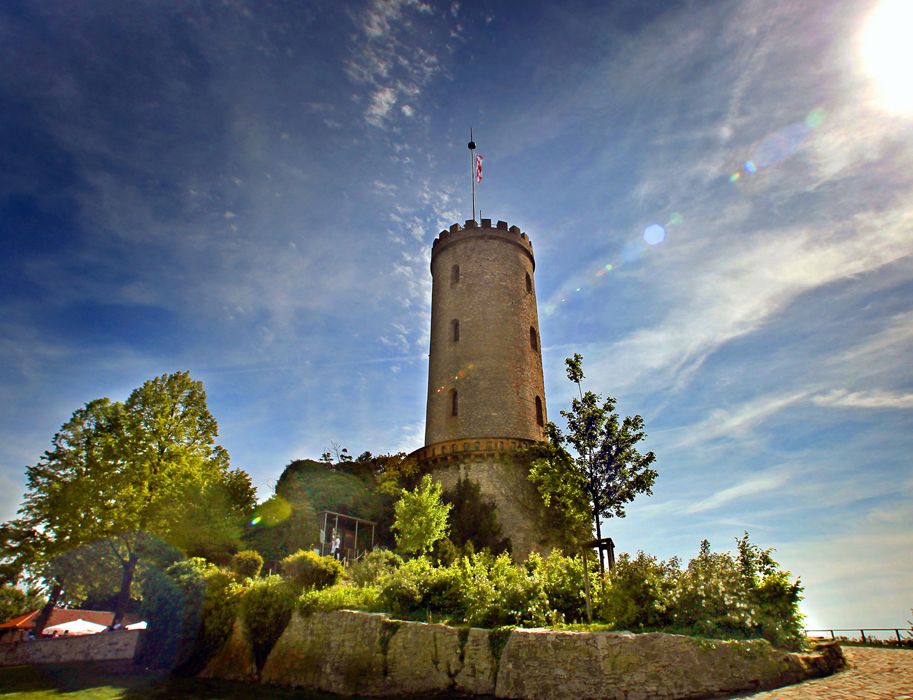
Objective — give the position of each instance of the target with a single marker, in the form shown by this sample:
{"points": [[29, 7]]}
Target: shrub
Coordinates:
{"points": [[640, 592], [266, 609], [561, 578], [339, 597], [419, 585], [712, 597], [309, 570], [247, 564], [368, 570], [190, 608]]}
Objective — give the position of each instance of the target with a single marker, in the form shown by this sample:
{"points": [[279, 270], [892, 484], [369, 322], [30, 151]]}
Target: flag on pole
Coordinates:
{"points": [[479, 159]]}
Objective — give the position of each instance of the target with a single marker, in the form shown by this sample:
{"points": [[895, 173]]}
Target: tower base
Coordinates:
{"points": [[502, 477]]}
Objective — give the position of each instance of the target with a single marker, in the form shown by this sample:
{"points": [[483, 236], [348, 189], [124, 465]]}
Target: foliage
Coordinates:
{"points": [[266, 609], [247, 564], [339, 597], [641, 592], [288, 521], [15, 602], [167, 606], [420, 517], [190, 608], [395, 472], [419, 585], [120, 473], [473, 520], [721, 595], [309, 570], [488, 590], [608, 467], [368, 570]]}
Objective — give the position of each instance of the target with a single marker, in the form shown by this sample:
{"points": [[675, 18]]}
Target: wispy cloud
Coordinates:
{"points": [[754, 485], [393, 57], [841, 398]]}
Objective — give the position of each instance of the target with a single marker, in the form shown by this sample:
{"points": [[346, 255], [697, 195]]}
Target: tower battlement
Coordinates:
{"points": [[471, 230]]}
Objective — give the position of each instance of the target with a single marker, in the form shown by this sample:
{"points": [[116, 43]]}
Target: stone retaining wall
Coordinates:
{"points": [[352, 653], [105, 646]]}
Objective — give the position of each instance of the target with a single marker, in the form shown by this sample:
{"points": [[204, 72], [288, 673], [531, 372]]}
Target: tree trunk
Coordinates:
{"points": [[123, 597], [42, 621], [598, 538]]}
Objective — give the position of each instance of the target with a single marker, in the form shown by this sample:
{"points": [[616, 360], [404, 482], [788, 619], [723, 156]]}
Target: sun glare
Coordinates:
{"points": [[887, 52]]}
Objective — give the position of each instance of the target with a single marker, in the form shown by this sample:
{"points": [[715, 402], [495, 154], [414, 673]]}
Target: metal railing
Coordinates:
{"points": [[862, 631]]}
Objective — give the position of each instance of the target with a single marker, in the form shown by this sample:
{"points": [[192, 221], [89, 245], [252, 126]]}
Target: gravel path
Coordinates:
{"points": [[873, 674]]}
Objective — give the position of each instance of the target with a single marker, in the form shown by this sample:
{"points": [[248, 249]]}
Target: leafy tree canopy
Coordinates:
{"points": [[605, 471], [129, 474], [420, 517]]}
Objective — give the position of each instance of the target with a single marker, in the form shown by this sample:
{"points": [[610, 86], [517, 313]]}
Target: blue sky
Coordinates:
{"points": [[250, 191]]}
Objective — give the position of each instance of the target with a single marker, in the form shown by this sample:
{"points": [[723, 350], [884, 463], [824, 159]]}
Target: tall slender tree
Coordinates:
{"points": [[607, 470]]}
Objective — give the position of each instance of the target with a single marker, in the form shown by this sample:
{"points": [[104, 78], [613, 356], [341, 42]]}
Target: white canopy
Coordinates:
{"points": [[75, 627], [141, 625]]}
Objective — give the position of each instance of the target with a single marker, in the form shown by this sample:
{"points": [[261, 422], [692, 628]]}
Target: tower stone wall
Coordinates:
{"points": [[486, 394]]}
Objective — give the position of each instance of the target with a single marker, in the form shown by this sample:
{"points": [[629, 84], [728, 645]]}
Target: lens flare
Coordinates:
{"points": [[675, 219], [256, 520], [735, 177], [815, 118], [654, 234]]}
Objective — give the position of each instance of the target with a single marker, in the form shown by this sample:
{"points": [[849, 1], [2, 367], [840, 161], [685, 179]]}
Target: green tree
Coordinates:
{"points": [[130, 475], [420, 517], [15, 602], [608, 469]]}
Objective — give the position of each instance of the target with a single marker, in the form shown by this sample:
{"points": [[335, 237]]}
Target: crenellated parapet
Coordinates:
{"points": [[474, 230]]}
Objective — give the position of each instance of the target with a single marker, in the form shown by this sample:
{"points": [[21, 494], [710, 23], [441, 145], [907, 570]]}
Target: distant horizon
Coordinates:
{"points": [[718, 196]]}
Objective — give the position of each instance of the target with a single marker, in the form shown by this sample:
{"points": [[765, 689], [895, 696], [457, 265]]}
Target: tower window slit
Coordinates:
{"points": [[529, 284], [533, 339], [540, 416], [455, 324], [454, 275], [454, 403]]}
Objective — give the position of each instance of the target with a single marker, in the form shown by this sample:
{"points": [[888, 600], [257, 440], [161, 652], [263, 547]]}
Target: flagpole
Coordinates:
{"points": [[472, 174]]}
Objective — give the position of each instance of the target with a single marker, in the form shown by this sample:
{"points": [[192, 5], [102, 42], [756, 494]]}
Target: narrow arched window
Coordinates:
{"points": [[455, 334], [533, 340], [454, 275], [454, 403], [529, 284], [540, 416]]}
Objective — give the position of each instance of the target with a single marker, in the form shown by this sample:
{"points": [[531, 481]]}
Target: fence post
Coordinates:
{"points": [[897, 632], [832, 635], [862, 632]]}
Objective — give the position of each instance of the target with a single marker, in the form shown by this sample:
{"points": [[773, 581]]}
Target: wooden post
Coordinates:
{"points": [[586, 586]]}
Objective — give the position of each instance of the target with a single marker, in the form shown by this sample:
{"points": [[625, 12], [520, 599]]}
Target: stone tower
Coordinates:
{"points": [[486, 395]]}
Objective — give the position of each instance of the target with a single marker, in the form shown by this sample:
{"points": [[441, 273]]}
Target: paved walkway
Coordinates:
{"points": [[873, 674]]}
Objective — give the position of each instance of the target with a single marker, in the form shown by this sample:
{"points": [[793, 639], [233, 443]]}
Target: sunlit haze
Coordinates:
{"points": [[719, 195]]}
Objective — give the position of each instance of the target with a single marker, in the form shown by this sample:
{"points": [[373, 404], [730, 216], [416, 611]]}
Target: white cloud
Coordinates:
{"points": [[736, 422], [753, 486], [382, 101], [841, 398]]}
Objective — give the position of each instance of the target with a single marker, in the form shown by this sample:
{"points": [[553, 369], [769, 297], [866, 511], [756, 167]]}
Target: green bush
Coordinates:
{"points": [[339, 597], [640, 592], [368, 570], [418, 585], [309, 570], [266, 609], [190, 608], [712, 598], [247, 564], [561, 577], [498, 592]]}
